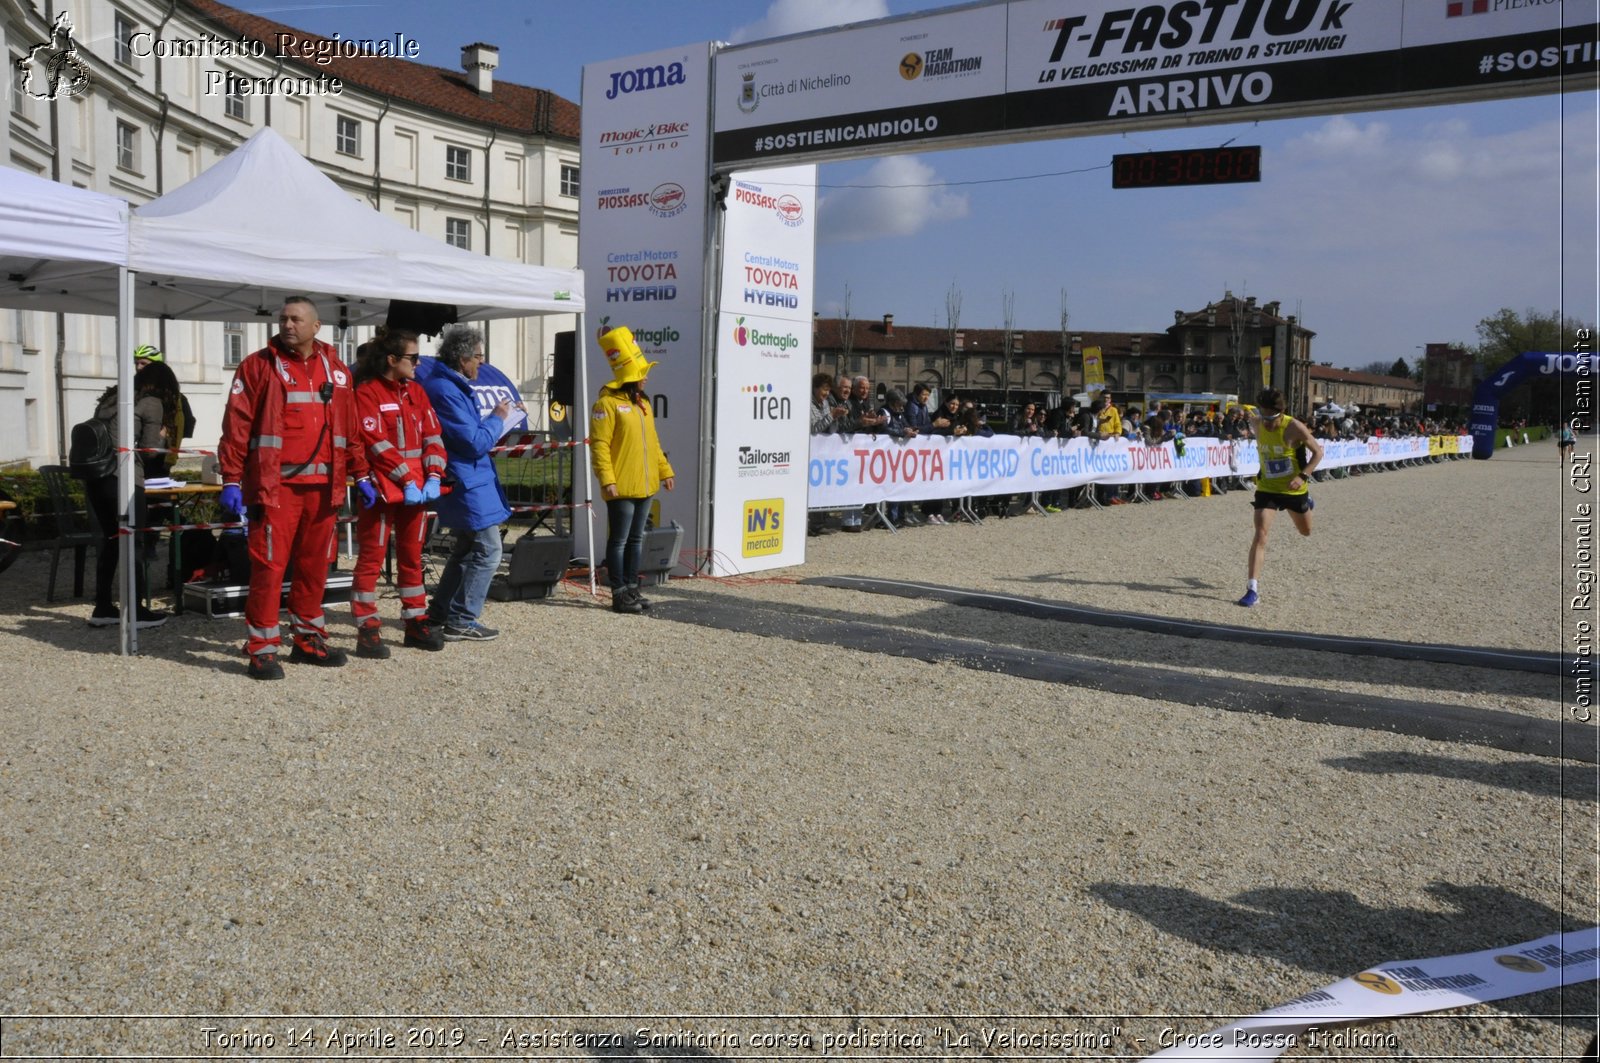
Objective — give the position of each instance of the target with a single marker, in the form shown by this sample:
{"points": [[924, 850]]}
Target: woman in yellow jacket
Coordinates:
{"points": [[627, 460]]}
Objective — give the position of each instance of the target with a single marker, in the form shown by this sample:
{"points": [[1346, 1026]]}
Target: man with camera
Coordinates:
{"points": [[289, 440]]}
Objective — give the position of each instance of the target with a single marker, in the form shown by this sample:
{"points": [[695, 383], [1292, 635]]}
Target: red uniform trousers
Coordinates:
{"points": [[301, 529], [409, 526]]}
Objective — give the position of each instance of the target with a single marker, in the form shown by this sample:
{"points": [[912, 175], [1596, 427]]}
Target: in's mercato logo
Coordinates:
{"points": [[54, 70], [763, 527], [765, 406], [646, 78]]}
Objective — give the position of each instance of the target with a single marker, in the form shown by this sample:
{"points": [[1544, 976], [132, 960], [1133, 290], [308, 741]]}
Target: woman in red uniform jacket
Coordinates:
{"points": [[406, 456]]}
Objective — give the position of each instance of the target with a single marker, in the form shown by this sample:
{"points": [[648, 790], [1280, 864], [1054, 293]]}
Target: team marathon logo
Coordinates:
{"points": [[644, 276], [937, 64], [666, 200], [54, 70], [1393, 981]]}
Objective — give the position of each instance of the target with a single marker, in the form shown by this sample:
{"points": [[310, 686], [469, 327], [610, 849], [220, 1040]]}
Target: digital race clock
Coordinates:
{"points": [[1195, 166]]}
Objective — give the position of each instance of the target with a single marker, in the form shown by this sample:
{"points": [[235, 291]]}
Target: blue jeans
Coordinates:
{"points": [[625, 521], [458, 599]]}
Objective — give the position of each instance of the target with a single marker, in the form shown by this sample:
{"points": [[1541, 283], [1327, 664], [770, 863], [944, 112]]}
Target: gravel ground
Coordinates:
{"points": [[600, 817]]}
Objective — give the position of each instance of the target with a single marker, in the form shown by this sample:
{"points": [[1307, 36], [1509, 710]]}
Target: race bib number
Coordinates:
{"points": [[1279, 467]]}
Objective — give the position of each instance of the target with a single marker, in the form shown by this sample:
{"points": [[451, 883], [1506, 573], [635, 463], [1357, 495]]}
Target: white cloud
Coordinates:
{"points": [[800, 16], [901, 206]]}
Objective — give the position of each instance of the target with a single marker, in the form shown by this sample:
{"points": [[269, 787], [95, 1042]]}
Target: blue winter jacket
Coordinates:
{"points": [[476, 499]]}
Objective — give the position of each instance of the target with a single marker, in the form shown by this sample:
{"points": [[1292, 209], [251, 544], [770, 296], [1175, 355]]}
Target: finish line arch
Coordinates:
{"points": [[1524, 367], [698, 210]]}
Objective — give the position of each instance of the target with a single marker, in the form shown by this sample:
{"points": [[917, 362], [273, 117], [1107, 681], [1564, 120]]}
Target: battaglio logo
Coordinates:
{"points": [[745, 337], [656, 338]]}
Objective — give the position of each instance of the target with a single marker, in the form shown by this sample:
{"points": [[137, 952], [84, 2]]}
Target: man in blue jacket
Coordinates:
{"points": [[476, 505]]}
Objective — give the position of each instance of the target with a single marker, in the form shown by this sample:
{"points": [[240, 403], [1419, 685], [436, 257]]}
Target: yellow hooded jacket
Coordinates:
{"points": [[623, 447]]}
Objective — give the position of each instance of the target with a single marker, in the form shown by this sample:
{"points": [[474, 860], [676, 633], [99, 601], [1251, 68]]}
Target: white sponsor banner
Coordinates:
{"points": [[1102, 65], [1393, 989], [641, 240], [763, 351], [904, 63], [862, 469]]}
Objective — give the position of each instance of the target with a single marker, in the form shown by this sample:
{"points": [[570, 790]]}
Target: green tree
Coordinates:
{"points": [[1400, 369]]}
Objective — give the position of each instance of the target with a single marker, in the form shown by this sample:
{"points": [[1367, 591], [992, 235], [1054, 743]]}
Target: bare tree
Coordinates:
{"points": [[952, 319], [1242, 358], [847, 335], [1008, 313], [1066, 348]]}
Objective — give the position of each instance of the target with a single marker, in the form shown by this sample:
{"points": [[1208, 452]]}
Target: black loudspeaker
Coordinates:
{"points": [[427, 319], [537, 564], [660, 555], [562, 374]]}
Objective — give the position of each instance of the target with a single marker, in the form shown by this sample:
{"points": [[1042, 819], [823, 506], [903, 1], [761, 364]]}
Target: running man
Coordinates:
{"points": [[1289, 453]]}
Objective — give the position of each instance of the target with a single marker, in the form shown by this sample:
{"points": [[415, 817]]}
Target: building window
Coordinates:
{"points": [[902, 361], [1197, 367], [235, 105], [127, 147], [344, 341], [457, 163], [232, 344], [347, 136], [458, 233], [930, 364], [123, 39], [988, 365], [569, 179], [1166, 367]]}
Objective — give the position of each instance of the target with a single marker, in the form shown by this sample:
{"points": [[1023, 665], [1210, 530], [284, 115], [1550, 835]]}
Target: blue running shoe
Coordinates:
{"points": [[1250, 598]]}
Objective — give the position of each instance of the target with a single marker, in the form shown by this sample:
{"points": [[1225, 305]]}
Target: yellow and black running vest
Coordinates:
{"points": [[1279, 462]]}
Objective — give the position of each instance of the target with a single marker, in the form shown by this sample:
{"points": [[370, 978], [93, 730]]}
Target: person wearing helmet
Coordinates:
{"points": [[629, 464]]}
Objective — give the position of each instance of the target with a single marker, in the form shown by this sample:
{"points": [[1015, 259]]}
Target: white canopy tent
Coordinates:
{"points": [[261, 224]]}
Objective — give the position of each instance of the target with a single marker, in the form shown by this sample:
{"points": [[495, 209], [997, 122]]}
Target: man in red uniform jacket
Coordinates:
{"points": [[289, 440]]}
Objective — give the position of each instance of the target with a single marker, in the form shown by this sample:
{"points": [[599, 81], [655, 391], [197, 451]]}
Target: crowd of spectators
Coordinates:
{"points": [[847, 405]]}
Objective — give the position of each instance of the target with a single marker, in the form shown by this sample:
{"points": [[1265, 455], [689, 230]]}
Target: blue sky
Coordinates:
{"points": [[1384, 230]]}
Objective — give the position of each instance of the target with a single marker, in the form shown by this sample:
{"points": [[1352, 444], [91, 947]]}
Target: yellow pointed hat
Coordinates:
{"points": [[623, 354]]}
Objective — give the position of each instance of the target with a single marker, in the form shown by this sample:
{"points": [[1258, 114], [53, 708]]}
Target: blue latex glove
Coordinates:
{"points": [[430, 490], [413, 495], [231, 500], [369, 494]]}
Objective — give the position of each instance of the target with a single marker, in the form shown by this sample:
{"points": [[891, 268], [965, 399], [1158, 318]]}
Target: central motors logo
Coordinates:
{"points": [[763, 527]]}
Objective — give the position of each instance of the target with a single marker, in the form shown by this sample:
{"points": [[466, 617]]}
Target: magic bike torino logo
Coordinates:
{"points": [[642, 140], [763, 527], [54, 70], [937, 64]]}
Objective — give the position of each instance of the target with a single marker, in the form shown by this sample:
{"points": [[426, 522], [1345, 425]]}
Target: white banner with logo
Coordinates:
{"points": [[994, 72], [763, 346], [862, 469], [1396, 988], [641, 240]]}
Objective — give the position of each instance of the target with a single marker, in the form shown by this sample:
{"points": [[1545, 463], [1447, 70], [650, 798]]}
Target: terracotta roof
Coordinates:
{"points": [[536, 112], [1347, 376], [869, 338]]}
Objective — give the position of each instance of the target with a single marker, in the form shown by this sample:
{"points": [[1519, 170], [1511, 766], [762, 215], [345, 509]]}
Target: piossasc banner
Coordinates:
{"points": [[860, 469], [1393, 989]]}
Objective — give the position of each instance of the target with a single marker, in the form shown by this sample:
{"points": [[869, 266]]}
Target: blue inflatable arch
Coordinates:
{"points": [[1486, 401]]}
